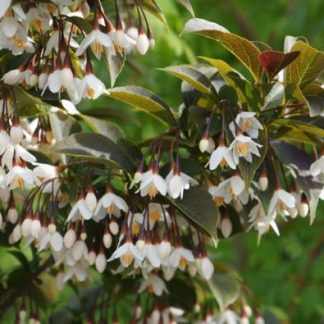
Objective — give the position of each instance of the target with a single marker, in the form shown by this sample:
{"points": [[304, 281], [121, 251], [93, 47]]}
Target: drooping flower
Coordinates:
{"points": [[153, 284], [180, 257], [243, 147], [281, 202], [222, 156], [247, 123], [79, 211], [4, 6], [127, 252], [152, 183]]}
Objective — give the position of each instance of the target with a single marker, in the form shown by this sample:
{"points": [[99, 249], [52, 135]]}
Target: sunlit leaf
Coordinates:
{"points": [[146, 100], [243, 49]]}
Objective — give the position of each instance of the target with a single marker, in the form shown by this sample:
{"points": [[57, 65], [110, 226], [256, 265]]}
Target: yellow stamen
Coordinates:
{"points": [[154, 215], [246, 125], [111, 209], [90, 92], [150, 289], [37, 25], [219, 200], [127, 259], [183, 263], [223, 163], [20, 182], [242, 149], [152, 192], [97, 48], [135, 229]]}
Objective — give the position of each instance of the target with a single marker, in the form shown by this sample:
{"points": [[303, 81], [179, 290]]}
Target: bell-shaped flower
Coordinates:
{"points": [[180, 257], [247, 123], [243, 147], [79, 211], [55, 240], [152, 183], [91, 87], [126, 252], [97, 40], [110, 204], [79, 271], [20, 176], [153, 284], [223, 157], [178, 182], [205, 267], [150, 253], [281, 202], [9, 25]]}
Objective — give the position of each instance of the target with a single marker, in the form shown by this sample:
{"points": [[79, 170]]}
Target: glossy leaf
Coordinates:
{"points": [[307, 67], [225, 289], [146, 100], [95, 147], [275, 97], [191, 75], [242, 48], [273, 61], [198, 206], [115, 65], [292, 155]]}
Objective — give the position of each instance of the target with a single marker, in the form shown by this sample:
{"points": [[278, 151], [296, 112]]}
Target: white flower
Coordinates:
{"points": [[98, 41], [205, 267], [21, 177], [153, 284], [152, 184], [247, 123], [60, 79], [18, 152], [127, 252], [243, 147], [14, 77], [317, 167], [178, 182], [227, 317], [281, 202], [206, 144], [142, 43], [91, 87], [150, 252], [9, 25], [121, 41], [45, 172], [222, 156], [110, 204], [262, 222], [180, 257], [79, 211], [4, 6], [54, 239], [79, 270]]}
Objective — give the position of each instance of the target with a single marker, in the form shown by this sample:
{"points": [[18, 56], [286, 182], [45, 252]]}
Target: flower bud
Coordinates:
{"points": [[132, 32], [140, 244], [69, 238], [203, 144], [303, 207], [113, 227], [35, 227], [263, 182], [91, 257], [142, 43], [83, 236], [42, 80], [16, 134], [78, 250], [26, 226], [12, 215], [293, 212], [107, 240], [226, 227], [16, 233], [244, 320], [259, 320], [91, 200], [51, 228], [4, 194], [164, 249], [192, 269], [101, 262]]}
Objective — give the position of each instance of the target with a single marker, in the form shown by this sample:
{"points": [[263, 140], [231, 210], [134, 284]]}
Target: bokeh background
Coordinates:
{"points": [[286, 273]]}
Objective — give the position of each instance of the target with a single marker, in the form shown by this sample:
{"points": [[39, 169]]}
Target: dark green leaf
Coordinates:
{"points": [[198, 206], [95, 147]]}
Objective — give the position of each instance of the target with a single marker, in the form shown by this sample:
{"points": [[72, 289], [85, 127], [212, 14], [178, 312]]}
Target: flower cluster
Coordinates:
{"points": [[49, 33]]}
